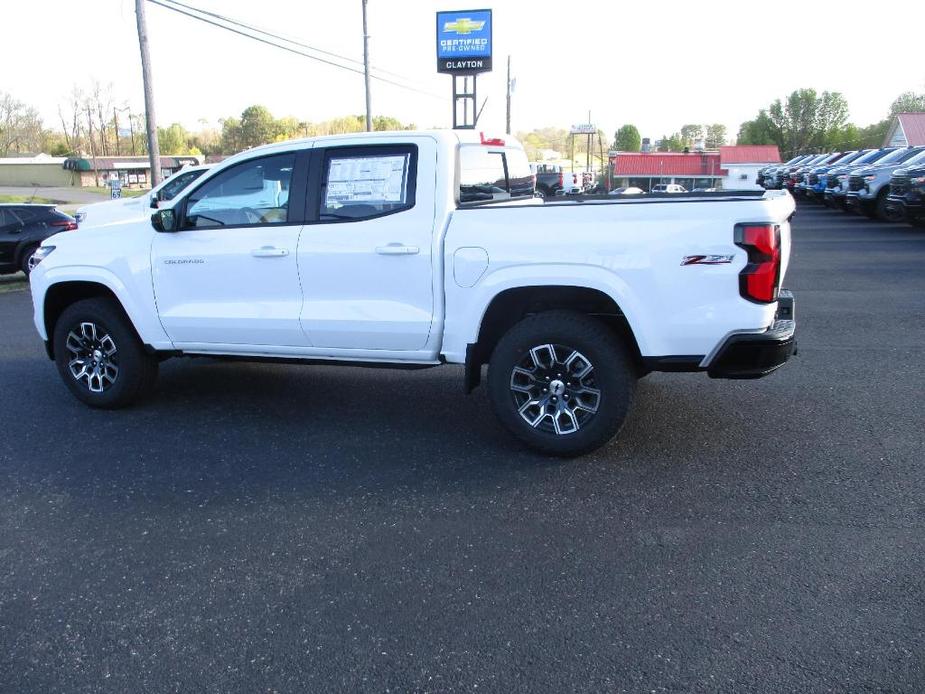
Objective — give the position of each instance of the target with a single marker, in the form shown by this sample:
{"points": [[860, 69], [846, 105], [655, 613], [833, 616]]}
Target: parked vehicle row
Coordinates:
{"points": [[886, 183]]}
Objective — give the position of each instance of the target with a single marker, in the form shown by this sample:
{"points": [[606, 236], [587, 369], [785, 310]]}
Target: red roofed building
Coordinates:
{"points": [[647, 169], [731, 168], [908, 130]]}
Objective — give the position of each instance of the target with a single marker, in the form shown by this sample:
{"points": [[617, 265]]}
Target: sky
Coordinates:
{"points": [[656, 65]]}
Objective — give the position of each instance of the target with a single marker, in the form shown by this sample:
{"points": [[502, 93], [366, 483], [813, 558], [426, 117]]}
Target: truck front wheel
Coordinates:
{"points": [[561, 382], [99, 356]]}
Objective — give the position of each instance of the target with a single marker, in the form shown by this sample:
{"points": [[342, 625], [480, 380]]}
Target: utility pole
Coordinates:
{"points": [[369, 108], [115, 127], [154, 150], [508, 118], [96, 171], [588, 153]]}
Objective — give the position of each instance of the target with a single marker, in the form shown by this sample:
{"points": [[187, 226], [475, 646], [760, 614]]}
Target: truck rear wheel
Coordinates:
{"points": [[99, 356], [561, 382]]}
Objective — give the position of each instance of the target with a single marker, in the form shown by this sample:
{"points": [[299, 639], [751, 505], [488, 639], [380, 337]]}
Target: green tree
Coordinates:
{"points": [[908, 102], [232, 138], [173, 139], [671, 144], [627, 139], [258, 126], [805, 119], [690, 134], [760, 131], [715, 136]]}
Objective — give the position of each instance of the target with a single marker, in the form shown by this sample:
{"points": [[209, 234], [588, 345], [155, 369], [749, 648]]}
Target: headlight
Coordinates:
{"points": [[40, 255], [870, 178], [842, 177], [918, 181]]}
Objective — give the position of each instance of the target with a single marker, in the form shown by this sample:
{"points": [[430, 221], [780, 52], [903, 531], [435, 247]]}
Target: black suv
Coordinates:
{"points": [[22, 230]]}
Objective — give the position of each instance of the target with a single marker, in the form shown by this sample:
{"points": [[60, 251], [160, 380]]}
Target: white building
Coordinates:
{"points": [[740, 164]]}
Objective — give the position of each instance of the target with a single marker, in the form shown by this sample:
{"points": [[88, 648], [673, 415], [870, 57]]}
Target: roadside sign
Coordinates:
{"points": [[464, 42], [115, 188], [584, 129]]}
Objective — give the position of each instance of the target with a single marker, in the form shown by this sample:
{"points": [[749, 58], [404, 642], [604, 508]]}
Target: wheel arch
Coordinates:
{"points": [[511, 305], [60, 295]]}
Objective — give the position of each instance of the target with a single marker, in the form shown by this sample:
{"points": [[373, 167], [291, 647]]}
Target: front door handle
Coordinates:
{"points": [[397, 249], [269, 252]]}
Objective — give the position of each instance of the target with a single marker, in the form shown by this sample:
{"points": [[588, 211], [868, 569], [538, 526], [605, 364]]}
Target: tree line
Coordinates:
{"points": [[91, 122], [808, 121]]}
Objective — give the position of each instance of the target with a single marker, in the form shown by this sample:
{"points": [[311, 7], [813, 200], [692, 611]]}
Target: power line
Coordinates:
{"points": [[280, 37], [291, 50]]}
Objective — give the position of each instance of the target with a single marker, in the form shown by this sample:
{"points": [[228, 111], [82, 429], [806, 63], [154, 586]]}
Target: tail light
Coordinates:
{"points": [[491, 141], [759, 280], [64, 224]]}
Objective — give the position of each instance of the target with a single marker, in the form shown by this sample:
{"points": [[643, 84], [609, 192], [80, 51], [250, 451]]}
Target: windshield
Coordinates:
{"points": [[917, 159], [873, 156], [897, 156], [854, 156]]}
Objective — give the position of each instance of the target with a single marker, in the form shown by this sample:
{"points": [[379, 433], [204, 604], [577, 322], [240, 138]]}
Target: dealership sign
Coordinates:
{"points": [[464, 42]]}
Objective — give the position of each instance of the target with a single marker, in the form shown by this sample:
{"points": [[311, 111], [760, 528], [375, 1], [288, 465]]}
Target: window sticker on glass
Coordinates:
{"points": [[363, 180]]}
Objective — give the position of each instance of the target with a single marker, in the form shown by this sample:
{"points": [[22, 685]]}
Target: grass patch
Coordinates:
{"points": [[13, 283], [126, 192], [28, 198]]}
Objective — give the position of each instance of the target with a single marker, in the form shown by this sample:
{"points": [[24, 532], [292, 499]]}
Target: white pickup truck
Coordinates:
{"points": [[418, 249], [122, 209]]}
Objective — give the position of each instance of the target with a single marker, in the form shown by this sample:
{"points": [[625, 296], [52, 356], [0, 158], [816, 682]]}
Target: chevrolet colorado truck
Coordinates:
{"points": [[415, 249]]}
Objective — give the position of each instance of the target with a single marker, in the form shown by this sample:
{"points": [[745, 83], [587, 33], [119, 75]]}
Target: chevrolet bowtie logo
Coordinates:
{"points": [[463, 25]]}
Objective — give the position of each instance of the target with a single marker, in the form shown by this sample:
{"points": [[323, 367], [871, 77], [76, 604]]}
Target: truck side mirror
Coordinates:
{"points": [[154, 200], [164, 221]]}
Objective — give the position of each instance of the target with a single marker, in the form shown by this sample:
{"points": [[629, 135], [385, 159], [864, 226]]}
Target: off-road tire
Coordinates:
{"points": [[613, 375]]}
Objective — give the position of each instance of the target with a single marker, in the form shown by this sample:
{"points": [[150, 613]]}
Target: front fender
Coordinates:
{"points": [[138, 304]]}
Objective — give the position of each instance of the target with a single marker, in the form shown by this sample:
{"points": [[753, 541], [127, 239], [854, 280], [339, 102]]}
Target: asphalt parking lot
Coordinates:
{"points": [[284, 528]]}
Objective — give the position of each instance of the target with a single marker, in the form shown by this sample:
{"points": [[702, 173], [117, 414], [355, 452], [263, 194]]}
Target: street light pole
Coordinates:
{"points": [[369, 108], [154, 150]]}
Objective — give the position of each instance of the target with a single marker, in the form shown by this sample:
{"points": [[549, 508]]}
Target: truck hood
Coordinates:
{"points": [[113, 210], [115, 230]]}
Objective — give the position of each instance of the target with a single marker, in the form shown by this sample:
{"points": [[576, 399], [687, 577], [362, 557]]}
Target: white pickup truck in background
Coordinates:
{"points": [[423, 248], [122, 209]]}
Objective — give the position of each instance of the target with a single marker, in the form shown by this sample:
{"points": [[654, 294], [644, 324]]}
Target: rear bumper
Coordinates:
{"points": [[753, 355]]}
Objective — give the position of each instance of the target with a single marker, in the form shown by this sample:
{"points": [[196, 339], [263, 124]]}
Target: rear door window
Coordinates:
{"points": [[366, 182], [482, 175], [486, 174]]}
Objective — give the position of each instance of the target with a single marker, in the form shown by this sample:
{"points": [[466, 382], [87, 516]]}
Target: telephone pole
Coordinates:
{"points": [[154, 150], [508, 120], [369, 108]]}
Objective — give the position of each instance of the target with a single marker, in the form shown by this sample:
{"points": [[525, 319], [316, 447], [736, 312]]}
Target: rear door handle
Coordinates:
{"points": [[269, 252], [397, 249]]}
